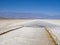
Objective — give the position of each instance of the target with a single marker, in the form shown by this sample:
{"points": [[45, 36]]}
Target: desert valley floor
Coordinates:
{"points": [[29, 32]]}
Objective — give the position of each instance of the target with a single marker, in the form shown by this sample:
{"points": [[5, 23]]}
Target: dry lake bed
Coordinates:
{"points": [[28, 32]]}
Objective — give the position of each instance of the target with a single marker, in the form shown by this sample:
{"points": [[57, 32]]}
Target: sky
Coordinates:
{"points": [[49, 7]]}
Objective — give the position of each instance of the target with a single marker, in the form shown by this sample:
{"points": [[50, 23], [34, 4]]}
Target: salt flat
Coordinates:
{"points": [[6, 25], [55, 33], [31, 32], [26, 36]]}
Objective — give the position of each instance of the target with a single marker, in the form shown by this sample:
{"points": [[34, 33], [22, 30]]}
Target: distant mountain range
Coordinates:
{"points": [[3, 18], [27, 15]]}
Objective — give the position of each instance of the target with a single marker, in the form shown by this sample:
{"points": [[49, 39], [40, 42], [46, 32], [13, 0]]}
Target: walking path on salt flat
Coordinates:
{"points": [[26, 36]]}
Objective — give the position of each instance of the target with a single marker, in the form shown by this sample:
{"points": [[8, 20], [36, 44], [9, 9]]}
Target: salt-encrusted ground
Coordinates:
{"points": [[26, 36], [32, 32]]}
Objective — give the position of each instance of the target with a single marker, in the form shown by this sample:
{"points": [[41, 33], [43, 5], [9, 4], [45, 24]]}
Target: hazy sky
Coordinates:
{"points": [[50, 7]]}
